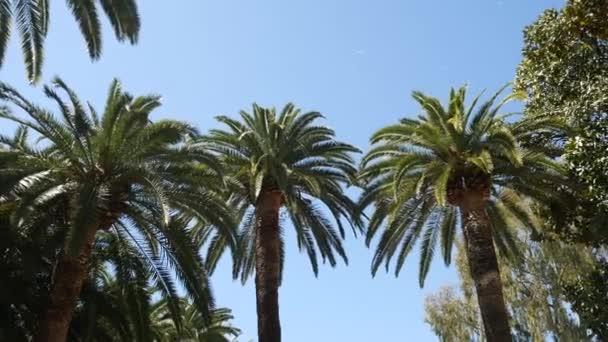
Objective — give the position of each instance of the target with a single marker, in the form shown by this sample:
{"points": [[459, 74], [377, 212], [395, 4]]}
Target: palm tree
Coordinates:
{"points": [[455, 166], [283, 164], [118, 173], [194, 327], [32, 19], [115, 300], [118, 306]]}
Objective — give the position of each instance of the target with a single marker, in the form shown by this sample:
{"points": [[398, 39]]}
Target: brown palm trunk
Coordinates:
{"points": [[267, 265], [70, 273], [483, 266]]}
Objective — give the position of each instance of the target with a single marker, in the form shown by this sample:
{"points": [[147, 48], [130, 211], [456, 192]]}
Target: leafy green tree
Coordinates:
{"points": [[588, 295], [455, 166], [283, 164], [119, 173], [533, 290], [452, 317], [564, 74], [32, 20]]}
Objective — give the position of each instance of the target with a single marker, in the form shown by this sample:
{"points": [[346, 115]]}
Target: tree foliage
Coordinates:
{"points": [[120, 174], [534, 293], [26, 263], [111, 307], [419, 170], [453, 317], [282, 166], [195, 327], [287, 151], [564, 73], [588, 295]]}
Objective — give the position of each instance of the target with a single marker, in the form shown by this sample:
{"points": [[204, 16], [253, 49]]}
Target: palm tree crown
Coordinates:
{"points": [[288, 153], [32, 20], [119, 173], [421, 171]]}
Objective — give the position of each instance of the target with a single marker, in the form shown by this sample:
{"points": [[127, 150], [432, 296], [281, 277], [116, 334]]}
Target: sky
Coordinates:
{"points": [[355, 61]]}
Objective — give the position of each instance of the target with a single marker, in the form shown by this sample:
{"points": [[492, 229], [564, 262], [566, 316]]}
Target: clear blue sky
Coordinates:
{"points": [[355, 61]]}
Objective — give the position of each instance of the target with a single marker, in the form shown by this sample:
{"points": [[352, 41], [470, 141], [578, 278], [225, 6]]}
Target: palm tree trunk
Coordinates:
{"points": [[69, 274], [267, 265], [483, 266]]}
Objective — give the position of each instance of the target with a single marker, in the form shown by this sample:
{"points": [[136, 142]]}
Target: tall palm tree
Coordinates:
{"points": [[119, 173], [455, 166], [32, 19], [283, 163]]}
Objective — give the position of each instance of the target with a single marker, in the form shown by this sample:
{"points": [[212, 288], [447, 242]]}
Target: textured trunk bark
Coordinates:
{"points": [[483, 266], [267, 265], [70, 272]]}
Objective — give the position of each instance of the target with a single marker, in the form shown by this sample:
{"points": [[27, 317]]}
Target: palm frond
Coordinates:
{"points": [[5, 27], [31, 22]]}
